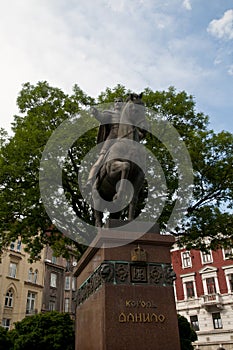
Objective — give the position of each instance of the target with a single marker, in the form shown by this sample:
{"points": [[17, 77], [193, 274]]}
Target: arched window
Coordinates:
{"points": [[9, 298], [30, 275], [35, 276]]}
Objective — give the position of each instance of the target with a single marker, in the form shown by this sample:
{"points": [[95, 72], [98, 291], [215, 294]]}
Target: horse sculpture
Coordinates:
{"points": [[118, 164]]}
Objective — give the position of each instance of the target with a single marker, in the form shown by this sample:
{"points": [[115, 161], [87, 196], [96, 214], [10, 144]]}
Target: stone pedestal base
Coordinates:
{"points": [[125, 295]]}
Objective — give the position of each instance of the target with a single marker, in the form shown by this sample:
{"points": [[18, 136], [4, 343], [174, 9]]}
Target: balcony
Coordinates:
{"points": [[212, 300]]}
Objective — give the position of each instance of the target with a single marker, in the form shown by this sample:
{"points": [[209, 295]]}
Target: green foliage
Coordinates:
{"points": [[43, 108], [209, 212], [5, 341], [52, 330], [21, 210], [109, 94], [187, 333]]}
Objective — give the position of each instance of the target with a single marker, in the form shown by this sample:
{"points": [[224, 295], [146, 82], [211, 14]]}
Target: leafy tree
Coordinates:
{"points": [[209, 212], [5, 341], [187, 333], [43, 108], [51, 330]]}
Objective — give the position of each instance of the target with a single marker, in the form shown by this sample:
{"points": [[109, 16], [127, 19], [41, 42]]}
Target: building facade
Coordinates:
{"points": [[21, 285], [28, 288], [204, 295], [59, 283]]}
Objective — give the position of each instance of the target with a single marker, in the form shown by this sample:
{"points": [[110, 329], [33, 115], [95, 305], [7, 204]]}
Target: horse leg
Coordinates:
{"points": [[98, 218], [137, 187], [123, 168], [98, 214]]}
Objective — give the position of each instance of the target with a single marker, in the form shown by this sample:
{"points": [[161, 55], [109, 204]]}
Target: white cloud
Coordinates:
{"points": [[187, 5], [222, 28], [137, 43], [217, 61], [117, 6], [230, 70], [92, 45]]}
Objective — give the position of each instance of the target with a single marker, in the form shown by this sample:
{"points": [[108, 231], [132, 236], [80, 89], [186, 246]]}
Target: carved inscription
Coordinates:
{"points": [[141, 317], [142, 303]]}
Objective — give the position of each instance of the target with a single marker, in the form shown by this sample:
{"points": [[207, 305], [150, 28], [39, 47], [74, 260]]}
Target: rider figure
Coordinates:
{"points": [[108, 131]]}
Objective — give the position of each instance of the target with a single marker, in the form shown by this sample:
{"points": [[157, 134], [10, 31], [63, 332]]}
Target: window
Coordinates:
{"points": [[231, 281], [210, 283], [53, 280], [6, 323], [9, 298], [227, 253], [54, 259], [30, 307], [30, 275], [52, 305], [19, 246], [67, 304], [228, 270], [194, 322], [12, 270], [206, 257], [67, 283], [68, 265], [186, 259], [190, 289], [35, 276], [217, 321]]}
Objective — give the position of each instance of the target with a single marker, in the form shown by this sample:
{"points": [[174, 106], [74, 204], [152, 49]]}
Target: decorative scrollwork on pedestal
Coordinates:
{"points": [[122, 272], [139, 273], [125, 272], [170, 275], [156, 274], [107, 272]]}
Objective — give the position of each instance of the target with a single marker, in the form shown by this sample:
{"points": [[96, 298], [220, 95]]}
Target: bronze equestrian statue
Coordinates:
{"points": [[116, 161]]}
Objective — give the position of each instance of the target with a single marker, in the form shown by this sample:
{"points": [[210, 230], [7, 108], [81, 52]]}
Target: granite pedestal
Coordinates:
{"points": [[125, 298]]}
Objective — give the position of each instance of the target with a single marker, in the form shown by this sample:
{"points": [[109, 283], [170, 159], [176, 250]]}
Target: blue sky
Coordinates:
{"points": [[138, 43]]}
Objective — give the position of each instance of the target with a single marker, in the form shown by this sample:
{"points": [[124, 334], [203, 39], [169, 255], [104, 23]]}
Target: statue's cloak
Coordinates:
{"points": [[103, 133]]}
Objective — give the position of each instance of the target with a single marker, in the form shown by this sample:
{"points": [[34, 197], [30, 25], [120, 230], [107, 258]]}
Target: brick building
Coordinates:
{"points": [[204, 295]]}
